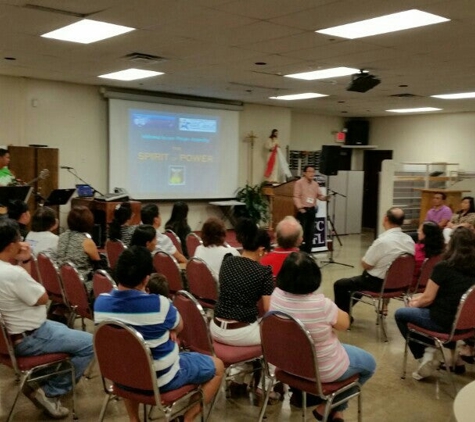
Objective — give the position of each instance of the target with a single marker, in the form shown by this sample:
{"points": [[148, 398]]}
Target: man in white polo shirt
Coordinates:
{"points": [[23, 308], [384, 250]]}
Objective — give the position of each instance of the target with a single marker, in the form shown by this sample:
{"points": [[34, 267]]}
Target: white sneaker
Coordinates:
{"points": [[428, 364], [50, 405]]}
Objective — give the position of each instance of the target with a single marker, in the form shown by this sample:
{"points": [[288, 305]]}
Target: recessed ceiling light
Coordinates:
{"points": [[87, 31], [304, 96], [455, 96], [414, 110], [131, 74], [324, 73], [382, 25]]}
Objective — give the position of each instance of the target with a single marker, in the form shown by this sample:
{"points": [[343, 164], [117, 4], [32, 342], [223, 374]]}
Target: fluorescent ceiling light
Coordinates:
{"points": [[87, 31], [131, 74], [455, 96], [304, 96], [324, 74], [414, 110], [389, 23]]}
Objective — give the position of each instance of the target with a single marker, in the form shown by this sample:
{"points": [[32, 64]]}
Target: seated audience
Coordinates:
{"points": [[158, 285], [145, 235], [178, 223], [213, 249], [243, 282], [129, 303], [464, 217], [430, 243], [23, 304], [384, 250], [119, 227], [289, 234], [76, 245], [18, 211], [440, 213], [436, 308], [41, 238], [296, 294], [151, 215]]}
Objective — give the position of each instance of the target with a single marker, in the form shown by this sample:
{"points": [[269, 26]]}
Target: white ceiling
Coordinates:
{"points": [[211, 47]]}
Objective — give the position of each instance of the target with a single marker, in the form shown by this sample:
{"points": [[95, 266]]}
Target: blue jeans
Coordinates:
{"points": [[420, 317], [54, 337], [362, 363]]}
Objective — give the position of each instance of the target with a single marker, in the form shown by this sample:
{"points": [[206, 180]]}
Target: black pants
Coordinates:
{"points": [[307, 220], [344, 287]]}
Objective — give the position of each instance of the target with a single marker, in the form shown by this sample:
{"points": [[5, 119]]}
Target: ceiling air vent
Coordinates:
{"points": [[143, 58]]}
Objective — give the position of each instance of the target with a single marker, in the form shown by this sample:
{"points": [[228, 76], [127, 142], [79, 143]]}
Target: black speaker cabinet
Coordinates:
{"points": [[357, 132], [330, 160]]}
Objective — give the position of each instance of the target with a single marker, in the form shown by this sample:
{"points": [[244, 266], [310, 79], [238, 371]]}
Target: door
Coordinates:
{"points": [[372, 167]]}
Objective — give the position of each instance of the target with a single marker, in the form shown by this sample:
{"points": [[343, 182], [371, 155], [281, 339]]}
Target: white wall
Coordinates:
{"points": [[427, 138]]}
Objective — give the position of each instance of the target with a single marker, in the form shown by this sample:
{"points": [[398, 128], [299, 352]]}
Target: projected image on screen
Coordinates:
{"points": [[182, 149], [173, 152]]}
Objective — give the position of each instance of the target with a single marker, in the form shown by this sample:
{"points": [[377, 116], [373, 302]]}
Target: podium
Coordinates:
{"points": [[104, 213], [281, 201], [454, 196]]}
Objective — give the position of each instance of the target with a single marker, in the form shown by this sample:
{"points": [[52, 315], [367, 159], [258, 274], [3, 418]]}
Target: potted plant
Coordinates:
{"points": [[257, 206]]}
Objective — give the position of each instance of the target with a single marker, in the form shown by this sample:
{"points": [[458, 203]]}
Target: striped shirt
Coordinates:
{"points": [[318, 314], [152, 316]]}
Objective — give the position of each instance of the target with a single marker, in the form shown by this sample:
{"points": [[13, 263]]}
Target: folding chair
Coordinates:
{"points": [[32, 368], [192, 242], [426, 271], [463, 328], [167, 265], [76, 294], [132, 372], [196, 337], [102, 282], [299, 370], [51, 281], [175, 239], [203, 286], [113, 250], [396, 284], [35, 274]]}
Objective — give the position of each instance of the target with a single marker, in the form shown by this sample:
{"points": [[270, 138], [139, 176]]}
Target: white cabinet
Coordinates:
{"points": [[348, 211]]}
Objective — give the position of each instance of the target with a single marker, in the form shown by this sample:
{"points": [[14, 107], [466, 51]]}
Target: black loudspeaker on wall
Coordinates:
{"points": [[330, 160], [357, 132]]}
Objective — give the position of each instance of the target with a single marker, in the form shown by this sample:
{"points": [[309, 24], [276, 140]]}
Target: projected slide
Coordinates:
{"points": [[172, 152], [181, 150]]}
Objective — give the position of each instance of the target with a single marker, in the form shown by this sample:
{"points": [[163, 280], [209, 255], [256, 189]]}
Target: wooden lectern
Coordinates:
{"points": [[453, 200], [281, 200]]}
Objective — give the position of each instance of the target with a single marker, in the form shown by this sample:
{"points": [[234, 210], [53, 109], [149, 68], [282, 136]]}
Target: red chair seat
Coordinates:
{"points": [[442, 336], [25, 363], [234, 354], [171, 396], [310, 386]]}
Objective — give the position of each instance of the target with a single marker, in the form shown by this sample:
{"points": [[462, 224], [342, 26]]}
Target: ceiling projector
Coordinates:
{"points": [[363, 82]]}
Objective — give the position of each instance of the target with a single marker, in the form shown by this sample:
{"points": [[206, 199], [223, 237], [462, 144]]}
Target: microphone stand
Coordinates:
{"points": [[74, 173], [333, 232]]}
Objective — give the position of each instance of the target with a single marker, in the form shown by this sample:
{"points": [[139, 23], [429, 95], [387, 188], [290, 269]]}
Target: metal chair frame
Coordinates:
{"points": [[25, 369], [306, 345], [190, 398]]}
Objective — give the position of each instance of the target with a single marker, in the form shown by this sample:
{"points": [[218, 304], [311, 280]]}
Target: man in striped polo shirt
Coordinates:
{"points": [[159, 323]]}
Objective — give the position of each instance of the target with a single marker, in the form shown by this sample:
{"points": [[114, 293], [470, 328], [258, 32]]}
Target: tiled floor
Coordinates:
{"points": [[385, 397]]}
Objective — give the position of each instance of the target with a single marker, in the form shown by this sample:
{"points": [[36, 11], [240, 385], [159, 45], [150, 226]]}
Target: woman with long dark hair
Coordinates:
{"points": [[178, 223], [430, 243], [436, 308], [119, 227], [464, 217]]}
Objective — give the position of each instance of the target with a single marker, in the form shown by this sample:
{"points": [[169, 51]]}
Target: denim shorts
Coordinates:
{"points": [[195, 368]]}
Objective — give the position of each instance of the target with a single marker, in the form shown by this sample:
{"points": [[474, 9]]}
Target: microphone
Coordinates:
{"points": [[66, 167]]}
